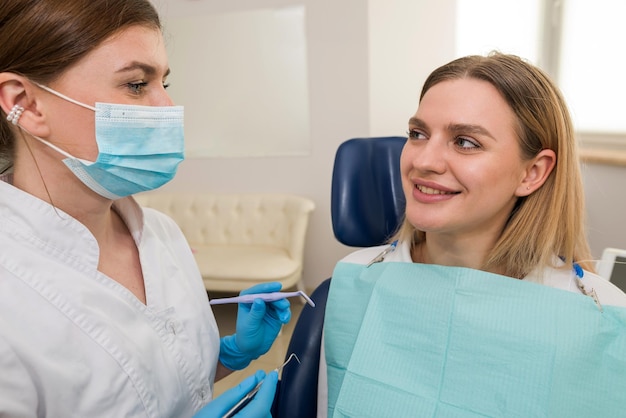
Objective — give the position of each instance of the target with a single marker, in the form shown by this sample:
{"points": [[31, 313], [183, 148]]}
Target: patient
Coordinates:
{"points": [[486, 303]]}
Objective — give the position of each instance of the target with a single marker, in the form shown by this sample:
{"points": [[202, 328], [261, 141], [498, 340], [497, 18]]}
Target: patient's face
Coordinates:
{"points": [[461, 166]]}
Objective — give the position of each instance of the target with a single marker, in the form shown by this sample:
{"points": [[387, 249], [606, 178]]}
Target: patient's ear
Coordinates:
{"points": [[18, 90], [537, 172]]}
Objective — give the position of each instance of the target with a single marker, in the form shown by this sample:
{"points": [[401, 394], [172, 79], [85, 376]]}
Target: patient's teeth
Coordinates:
{"points": [[428, 190]]}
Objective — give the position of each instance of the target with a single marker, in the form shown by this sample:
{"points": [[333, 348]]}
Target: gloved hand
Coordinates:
{"points": [[258, 324], [259, 406]]}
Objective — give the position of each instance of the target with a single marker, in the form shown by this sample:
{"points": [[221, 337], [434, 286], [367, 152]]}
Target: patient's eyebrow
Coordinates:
{"points": [[417, 122], [469, 129], [455, 128]]}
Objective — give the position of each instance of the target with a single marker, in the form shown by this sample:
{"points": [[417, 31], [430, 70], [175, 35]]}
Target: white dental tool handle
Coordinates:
{"points": [[267, 297]]}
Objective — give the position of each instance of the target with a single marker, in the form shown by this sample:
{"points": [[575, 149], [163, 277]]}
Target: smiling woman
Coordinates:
{"points": [[463, 150], [103, 311], [519, 137], [489, 274]]}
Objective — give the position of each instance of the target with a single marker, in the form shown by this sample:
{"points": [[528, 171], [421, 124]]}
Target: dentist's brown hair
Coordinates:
{"points": [[40, 39]]}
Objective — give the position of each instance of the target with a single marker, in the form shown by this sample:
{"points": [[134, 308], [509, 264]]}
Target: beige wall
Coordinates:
{"points": [[339, 109], [367, 61], [606, 206]]}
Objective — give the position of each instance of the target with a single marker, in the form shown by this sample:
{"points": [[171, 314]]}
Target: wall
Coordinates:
{"points": [[407, 40], [606, 206], [366, 61], [339, 105]]}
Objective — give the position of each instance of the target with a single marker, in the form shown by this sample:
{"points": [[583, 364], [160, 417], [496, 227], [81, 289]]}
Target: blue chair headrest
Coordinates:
{"points": [[367, 201]]}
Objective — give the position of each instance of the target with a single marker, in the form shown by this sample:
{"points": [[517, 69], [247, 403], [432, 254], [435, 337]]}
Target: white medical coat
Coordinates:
{"points": [[75, 343]]}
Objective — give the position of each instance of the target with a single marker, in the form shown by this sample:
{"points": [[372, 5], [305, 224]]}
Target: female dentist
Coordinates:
{"points": [[102, 309]]}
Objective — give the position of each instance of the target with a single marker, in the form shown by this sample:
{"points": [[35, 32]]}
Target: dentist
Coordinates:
{"points": [[102, 309]]}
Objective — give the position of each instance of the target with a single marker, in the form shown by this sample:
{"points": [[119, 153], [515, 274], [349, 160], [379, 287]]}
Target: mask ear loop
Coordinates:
{"points": [[63, 96]]}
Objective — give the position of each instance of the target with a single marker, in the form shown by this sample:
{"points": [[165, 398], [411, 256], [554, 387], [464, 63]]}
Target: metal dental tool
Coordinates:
{"points": [[250, 395]]}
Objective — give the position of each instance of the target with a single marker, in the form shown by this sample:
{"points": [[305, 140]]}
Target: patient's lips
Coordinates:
{"points": [[430, 192]]}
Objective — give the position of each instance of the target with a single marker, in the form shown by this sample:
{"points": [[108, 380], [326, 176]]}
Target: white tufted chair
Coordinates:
{"points": [[240, 239]]}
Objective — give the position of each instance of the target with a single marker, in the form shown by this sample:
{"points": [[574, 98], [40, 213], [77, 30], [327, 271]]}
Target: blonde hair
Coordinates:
{"points": [[549, 222]]}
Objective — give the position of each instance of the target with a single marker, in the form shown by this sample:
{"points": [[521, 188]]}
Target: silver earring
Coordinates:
{"points": [[15, 114]]}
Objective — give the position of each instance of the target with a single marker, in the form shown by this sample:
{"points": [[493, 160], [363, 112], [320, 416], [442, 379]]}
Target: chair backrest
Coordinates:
{"points": [[367, 202], [367, 206]]}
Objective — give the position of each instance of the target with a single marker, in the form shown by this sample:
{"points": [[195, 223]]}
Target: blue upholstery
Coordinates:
{"points": [[367, 202], [367, 205], [296, 395]]}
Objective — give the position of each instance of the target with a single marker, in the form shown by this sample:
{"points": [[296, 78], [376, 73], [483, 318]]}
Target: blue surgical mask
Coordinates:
{"points": [[139, 148]]}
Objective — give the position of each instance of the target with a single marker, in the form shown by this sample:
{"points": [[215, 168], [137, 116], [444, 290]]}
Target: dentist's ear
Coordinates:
{"points": [[17, 93], [537, 172]]}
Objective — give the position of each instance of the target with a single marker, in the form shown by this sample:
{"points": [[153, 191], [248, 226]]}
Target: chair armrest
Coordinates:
{"points": [[296, 395]]}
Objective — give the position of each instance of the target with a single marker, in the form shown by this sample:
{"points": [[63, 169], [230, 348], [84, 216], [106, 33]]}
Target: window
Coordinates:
{"points": [[510, 26], [577, 41], [592, 61]]}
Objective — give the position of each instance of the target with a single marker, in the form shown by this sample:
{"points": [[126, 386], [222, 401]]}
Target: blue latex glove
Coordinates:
{"points": [[258, 324], [259, 406]]}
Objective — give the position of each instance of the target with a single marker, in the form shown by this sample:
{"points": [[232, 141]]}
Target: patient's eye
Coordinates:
{"points": [[466, 143], [415, 134]]}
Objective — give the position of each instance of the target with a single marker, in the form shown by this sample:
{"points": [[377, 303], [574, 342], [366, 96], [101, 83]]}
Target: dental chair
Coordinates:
{"points": [[367, 206]]}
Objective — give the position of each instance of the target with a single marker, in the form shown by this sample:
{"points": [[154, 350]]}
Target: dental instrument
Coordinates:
{"points": [[246, 399], [267, 297]]}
